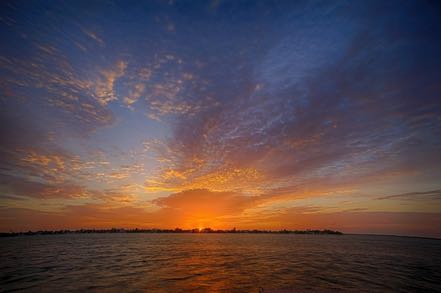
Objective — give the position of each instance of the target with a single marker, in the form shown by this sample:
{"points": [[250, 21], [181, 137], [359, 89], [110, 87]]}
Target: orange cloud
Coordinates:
{"points": [[205, 203], [134, 95], [104, 91]]}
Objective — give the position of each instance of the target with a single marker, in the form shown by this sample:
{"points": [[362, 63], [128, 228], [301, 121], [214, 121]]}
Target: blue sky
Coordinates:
{"points": [[253, 114]]}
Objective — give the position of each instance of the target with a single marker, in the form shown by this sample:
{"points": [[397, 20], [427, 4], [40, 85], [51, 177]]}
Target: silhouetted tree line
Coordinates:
{"points": [[177, 230]]}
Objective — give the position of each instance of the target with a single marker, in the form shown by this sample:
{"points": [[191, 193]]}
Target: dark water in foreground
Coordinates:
{"points": [[218, 262]]}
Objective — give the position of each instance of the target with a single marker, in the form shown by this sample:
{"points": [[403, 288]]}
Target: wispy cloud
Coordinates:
{"points": [[94, 37], [319, 112], [104, 86], [415, 196]]}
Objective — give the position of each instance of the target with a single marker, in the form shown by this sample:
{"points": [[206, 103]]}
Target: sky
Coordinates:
{"points": [[222, 114]]}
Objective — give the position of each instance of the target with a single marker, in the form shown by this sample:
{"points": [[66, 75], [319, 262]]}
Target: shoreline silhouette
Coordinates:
{"points": [[176, 230]]}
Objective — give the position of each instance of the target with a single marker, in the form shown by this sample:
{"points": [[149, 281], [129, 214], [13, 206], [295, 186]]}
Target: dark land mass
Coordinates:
{"points": [[177, 230]]}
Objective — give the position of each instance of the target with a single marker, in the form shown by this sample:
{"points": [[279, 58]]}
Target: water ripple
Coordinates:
{"points": [[219, 263]]}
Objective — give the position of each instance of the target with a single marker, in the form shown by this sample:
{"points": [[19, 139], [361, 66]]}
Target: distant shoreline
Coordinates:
{"points": [[394, 235], [177, 231]]}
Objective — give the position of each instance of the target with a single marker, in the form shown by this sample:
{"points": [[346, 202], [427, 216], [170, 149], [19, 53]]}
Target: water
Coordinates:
{"points": [[219, 262]]}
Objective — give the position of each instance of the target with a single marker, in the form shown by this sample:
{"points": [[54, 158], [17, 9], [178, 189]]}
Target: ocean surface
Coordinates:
{"points": [[219, 262]]}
